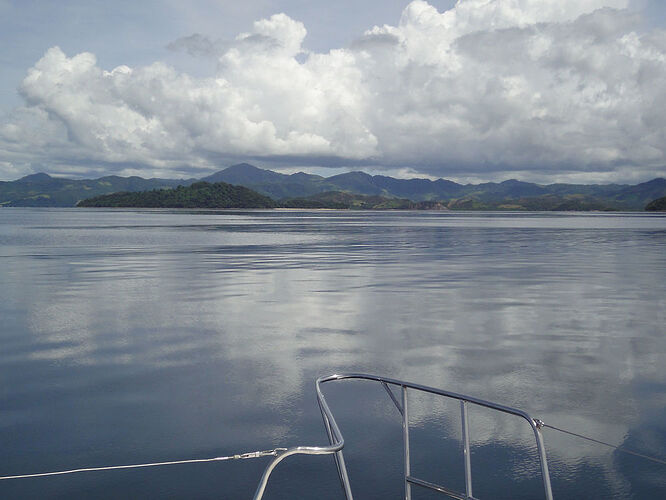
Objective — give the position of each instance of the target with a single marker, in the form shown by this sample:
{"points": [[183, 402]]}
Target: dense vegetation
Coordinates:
{"points": [[548, 202], [342, 200], [354, 190], [42, 190], [197, 195], [487, 196], [658, 205]]}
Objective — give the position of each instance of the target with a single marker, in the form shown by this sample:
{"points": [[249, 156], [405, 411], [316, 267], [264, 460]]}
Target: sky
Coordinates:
{"points": [[468, 90]]}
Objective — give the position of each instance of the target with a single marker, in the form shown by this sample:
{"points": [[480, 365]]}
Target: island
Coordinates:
{"points": [[658, 205], [222, 195], [197, 195]]}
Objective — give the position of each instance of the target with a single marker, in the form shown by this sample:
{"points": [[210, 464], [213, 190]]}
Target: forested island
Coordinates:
{"points": [[658, 205], [197, 195], [224, 195]]}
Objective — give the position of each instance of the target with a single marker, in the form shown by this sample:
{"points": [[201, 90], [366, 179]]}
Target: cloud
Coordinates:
{"points": [[197, 45], [543, 87], [582, 94]]}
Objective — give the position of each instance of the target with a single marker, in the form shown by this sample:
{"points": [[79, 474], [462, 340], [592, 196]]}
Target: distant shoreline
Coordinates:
{"points": [[353, 190]]}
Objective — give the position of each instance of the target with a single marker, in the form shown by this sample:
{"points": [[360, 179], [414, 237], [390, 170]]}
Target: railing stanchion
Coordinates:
{"points": [[405, 436], [339, 458], [344, 478], [545, 473], [466, 449]]}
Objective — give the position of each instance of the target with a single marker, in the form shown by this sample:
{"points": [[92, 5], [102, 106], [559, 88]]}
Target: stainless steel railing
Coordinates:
{"points": [[336, 440]]}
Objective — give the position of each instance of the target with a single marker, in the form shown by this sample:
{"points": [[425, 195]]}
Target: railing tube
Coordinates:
{"points": [[336, 441], [466, 449], [339, 458], [545, 474], [405, 437]]}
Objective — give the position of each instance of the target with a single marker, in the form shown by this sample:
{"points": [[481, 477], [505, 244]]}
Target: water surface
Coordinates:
{"points": [[145, 335]]}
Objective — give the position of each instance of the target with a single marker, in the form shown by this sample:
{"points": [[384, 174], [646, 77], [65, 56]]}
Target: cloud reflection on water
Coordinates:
{"points": [[227, 319]]}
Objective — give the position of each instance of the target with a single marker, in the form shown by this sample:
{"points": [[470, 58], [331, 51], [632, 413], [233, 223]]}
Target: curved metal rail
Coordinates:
{"points": [[336, 440]]}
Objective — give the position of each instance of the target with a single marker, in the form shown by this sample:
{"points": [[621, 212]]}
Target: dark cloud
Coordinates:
{"points": [[197, 45]]}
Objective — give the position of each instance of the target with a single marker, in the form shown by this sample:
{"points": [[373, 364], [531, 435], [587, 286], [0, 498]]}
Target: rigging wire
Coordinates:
{"points": [[277, 451], [618, 448], [242, 456]]}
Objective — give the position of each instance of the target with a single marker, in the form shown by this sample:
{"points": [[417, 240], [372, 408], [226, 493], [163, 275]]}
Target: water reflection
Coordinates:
{"points": [[141, 335]]}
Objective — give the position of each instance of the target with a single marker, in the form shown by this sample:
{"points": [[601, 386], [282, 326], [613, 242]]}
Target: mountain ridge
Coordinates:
{"points": [[41, 189]]}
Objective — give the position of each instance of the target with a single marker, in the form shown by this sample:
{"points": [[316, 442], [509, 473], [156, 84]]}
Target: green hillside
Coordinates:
{"points": [[485, 196], [658, 205], [342, 200], [546, 202], [197, 195], [44, 190]]}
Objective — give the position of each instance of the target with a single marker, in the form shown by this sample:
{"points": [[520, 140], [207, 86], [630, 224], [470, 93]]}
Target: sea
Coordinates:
{"points": [[135, 336]]}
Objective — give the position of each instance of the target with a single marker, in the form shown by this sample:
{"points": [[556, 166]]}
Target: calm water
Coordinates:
{"points": [[132, 336]]}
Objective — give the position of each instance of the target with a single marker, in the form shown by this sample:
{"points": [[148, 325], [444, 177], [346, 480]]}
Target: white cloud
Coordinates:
{"points": [[547, 87]]}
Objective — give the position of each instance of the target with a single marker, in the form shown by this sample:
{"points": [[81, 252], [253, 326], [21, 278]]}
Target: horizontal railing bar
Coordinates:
{"points": [[439, 488], [431, 390]]}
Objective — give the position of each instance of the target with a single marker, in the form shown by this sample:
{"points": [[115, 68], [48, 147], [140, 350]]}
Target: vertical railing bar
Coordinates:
{"points": [[339, 458], [405, 436], [393, 398], [344, 478], [545, 474], [466, 449], [329, 433]]}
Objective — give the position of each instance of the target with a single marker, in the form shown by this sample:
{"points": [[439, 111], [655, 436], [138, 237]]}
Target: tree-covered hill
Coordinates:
{"points": [[488, 196], [223, 195], [658, 205], [197, 195], [546, 202], [44, 190], [342, 200]]}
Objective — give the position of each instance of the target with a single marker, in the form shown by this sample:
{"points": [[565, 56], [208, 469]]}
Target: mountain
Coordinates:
{"points": [[489, 195], [42, 190], [270, 183], [279, 186], [244, 173], [641, 194], [36, 179], [197, 195], [418, 189], [356, 182], [510, 189]]}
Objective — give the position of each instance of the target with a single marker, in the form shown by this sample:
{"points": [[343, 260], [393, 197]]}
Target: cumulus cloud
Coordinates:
{"points": [[539, 86]]}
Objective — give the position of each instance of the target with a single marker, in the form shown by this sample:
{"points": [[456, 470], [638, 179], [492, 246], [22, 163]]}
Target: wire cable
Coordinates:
{"points": [[618, 448], [242, 456], [277, 451]]}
